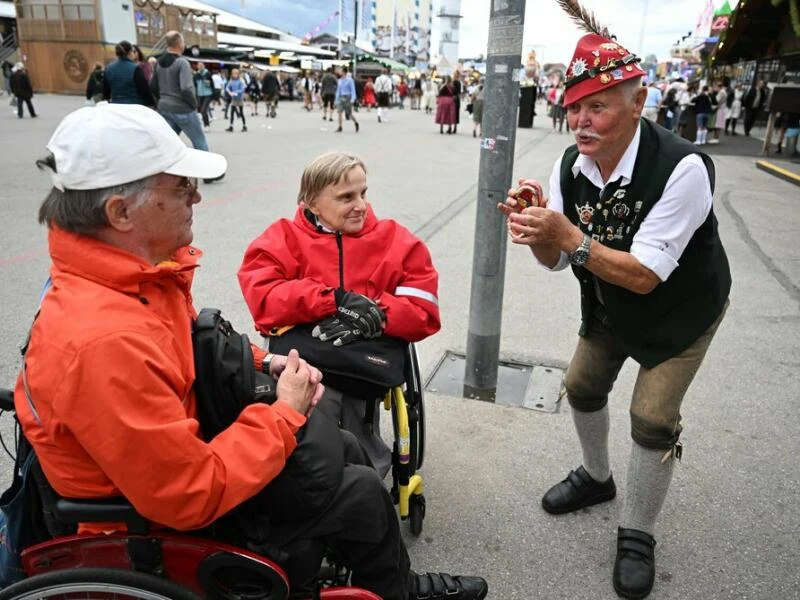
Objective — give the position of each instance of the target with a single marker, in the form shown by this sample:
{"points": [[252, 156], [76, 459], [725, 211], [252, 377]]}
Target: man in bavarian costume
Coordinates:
{"points": [[630, 209]]}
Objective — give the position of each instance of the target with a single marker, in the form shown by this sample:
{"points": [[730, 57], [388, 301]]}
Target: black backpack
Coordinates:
{"points": [[226, 381]]}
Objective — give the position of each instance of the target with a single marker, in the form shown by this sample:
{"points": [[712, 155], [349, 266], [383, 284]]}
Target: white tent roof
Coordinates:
{"points": [[233, 20], [250, 41]]}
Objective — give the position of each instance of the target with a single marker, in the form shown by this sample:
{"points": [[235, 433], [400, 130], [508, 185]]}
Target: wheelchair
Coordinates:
{"points": [[407, 406], [146, 564]]}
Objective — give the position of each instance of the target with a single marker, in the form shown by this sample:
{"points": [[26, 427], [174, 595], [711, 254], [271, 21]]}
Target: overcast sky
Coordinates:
{"points": [[657, 23]]}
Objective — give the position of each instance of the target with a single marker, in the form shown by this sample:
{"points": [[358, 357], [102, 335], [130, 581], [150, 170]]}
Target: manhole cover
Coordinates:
{"points": [[527, 385]]}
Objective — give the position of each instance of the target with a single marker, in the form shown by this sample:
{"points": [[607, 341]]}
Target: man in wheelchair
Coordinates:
{"points": [[106, 395]]}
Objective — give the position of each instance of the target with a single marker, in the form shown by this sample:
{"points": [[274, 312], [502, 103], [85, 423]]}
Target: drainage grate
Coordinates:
{"points": [[527, 385]]}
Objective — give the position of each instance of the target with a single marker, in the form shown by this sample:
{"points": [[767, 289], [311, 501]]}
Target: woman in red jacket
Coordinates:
{"points": [[334, 261]]}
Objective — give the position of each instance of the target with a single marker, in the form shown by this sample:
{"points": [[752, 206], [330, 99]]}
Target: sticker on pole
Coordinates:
{"points": [[488, 143]]}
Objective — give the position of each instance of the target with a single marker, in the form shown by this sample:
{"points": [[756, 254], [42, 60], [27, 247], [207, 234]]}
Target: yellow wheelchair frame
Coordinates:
{"points": [[408, 420]]}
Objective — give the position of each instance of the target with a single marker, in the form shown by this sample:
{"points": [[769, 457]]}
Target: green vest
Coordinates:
{"points": [[654, 327]]}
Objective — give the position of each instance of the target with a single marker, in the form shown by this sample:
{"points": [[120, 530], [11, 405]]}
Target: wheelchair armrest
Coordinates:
{"points": [[6, 400], [100, 510]]}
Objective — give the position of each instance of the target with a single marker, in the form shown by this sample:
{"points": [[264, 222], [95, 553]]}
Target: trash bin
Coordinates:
{"points": [[527, 105]]}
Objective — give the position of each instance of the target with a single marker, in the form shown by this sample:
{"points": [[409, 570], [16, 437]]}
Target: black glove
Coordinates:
{"points": [[335, 330], [360, 312]]}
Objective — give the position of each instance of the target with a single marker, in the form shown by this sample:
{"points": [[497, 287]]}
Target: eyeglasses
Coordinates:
{"points": [[187, 189]]}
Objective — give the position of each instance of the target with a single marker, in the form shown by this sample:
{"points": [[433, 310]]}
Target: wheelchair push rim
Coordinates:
{"points": [[96, 583]]}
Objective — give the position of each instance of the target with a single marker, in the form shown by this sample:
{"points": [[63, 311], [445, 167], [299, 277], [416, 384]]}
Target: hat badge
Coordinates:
{"points": [[578, 67]]}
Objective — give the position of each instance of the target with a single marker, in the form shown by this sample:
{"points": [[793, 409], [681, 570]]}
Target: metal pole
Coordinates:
{"points": [[355, 39], [341, 9], [501, 93]]}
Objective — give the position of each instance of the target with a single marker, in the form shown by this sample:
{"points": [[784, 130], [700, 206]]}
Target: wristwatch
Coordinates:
{"points": [[580, 255], [267, 363]]}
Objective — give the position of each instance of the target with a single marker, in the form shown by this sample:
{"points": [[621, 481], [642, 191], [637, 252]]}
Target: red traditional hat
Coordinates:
{"points": [[598, 64]]}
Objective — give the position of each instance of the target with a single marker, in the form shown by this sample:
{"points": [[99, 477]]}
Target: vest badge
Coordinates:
{"points": [[619, 194], [621, 210], [585, 213], [638, 206]]}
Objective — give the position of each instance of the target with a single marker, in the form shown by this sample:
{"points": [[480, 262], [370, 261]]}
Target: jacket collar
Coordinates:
{"points": [[303, 221], [113, 267]]}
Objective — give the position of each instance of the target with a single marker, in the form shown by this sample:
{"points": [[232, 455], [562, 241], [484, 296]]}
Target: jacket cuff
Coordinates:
{"points": [[292, 418]]}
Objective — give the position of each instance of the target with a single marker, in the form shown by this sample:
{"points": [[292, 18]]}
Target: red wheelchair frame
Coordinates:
{"points": [[148, 565]]}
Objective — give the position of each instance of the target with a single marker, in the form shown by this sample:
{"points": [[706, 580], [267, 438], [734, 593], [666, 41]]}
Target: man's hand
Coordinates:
{"points": [[543, 227], [337, 331], [278, 364], [299, 384], [360, 313]]}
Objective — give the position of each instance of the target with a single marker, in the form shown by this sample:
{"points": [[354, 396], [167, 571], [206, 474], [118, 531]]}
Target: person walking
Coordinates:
{"points": [[270, 87], [652, 102], [253, 90], [458, 90], [383, 93], [736, 106], [139, 59], [94, 84], [329, 85], [446, 107], [218, 81], [753, 103], [125, 81], [235, 89], [22, 89], [173, 87], [702, 110], [630, 209], [721, 118], [477, 111], [428, 94], [369, 94], [345, 98], [307, 87], [557, 109], [204, 88]]}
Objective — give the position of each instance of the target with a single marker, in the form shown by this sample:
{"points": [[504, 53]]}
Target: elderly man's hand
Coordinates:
{"points": [[543, 227], [300, 384]]}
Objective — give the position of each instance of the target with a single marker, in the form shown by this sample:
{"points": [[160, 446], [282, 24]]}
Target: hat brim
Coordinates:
{"points": [[200, 164]]}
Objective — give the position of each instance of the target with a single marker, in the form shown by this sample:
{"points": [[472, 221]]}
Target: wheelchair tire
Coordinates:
{"points": [[107, 583], [416, 400], [416, 513]]}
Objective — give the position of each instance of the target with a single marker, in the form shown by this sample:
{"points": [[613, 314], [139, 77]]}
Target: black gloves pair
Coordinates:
{"points": [[357, 317]]}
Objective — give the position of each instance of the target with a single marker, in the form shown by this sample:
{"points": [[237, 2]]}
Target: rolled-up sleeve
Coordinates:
{"points": [[666, 230]]}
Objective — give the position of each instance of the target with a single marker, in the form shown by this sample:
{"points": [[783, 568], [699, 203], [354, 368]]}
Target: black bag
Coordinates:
{"points": [[225, 382], [363, 368]]}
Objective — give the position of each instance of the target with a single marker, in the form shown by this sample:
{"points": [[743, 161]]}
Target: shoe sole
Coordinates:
{"points": [[599, 499], [628, 595]]}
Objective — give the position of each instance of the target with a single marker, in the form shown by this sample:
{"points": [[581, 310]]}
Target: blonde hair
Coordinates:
{"points": [[327, 169]]}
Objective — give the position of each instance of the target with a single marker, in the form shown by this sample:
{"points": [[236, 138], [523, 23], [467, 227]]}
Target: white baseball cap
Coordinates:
{"points": [[113, 144]]}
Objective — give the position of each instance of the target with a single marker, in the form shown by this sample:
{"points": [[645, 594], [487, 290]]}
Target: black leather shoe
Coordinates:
{"points": [[577, 491], [438, 586], [635, 567]]}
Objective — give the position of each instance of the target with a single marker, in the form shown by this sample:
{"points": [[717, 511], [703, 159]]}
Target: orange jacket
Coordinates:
{"points": [[110, 373]]}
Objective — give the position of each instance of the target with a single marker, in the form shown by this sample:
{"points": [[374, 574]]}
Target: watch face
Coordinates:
{"points": [[579, 257]]}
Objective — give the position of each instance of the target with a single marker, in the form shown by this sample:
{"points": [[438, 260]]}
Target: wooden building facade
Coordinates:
{"points": [[61, 40]]}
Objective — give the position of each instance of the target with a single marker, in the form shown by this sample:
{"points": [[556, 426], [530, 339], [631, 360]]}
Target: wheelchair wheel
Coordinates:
{"points": [[416, 400], [416, 513], [96, 583]]}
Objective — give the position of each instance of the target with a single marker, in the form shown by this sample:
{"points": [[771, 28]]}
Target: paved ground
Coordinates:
{"points": [[729, 529]]}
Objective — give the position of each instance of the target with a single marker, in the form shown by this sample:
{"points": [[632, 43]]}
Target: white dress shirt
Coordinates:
{"points": [[666, 230]]}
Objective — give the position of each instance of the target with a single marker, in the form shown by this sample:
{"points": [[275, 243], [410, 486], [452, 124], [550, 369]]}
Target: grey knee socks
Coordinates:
{"points": [[592, 428], [646, 489]]}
